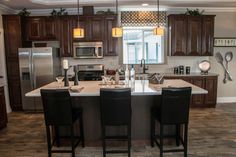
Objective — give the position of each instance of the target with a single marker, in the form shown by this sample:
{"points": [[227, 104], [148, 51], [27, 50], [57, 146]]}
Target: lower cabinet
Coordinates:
{"points": [[208, 83], [3, 112]]}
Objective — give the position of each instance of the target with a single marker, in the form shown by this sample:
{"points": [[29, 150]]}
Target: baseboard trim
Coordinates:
{"points": [[226, 99]]}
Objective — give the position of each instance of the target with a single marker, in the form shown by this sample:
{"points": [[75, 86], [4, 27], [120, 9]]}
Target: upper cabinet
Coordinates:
{"points": [[191, 35], [41, 28], [110, 44], [93, 27]]}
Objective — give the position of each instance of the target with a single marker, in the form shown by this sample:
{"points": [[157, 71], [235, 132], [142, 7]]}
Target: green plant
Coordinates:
{"points": [[194, 12], [60, 12], [24, 12]]}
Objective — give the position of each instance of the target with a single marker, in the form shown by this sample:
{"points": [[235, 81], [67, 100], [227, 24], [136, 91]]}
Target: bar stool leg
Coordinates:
{"points": [[103, 141], [186, 140], [161, 140], [72, 141], [129, 140], [49, 141], [81, 129], [152, 130], [177, 135]]}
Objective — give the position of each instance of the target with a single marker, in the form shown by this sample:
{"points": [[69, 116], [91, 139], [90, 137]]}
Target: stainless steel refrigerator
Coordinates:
{"points": [[38, 67]]}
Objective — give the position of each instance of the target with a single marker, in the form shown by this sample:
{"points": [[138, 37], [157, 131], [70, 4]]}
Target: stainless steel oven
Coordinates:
{"points": [[88, 50]]}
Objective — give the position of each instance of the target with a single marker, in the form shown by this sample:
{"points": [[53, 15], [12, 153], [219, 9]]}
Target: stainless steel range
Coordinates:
{"points": [[90, 72]]}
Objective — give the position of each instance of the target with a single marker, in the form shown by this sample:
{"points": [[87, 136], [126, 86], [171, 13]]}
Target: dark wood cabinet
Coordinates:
{"points": [[3, 112], [35, 28], [41, 28], [13, 41], [198, 100], [211, 87], [110, 44], [93, 27], [96, 26], [51, 28], [99, 28], [194, 36], [177, 35], [206, 82], [66, 36], [207, 35], [191, 35]]}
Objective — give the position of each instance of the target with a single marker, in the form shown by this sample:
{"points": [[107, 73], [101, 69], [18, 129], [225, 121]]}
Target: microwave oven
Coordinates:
{"points": [[88, 50]]}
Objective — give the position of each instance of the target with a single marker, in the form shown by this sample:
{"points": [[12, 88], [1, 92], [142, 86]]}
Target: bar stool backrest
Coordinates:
{"points": [[57, 107], [115, 106], [175, 105]]}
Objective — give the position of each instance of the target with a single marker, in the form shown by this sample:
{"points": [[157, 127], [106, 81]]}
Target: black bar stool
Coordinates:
{"points": [[58, 112], [115, 111], [174, 110]]}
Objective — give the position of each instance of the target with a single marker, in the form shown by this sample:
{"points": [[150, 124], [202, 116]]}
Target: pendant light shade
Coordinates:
{"points": [[117, 32], [158, 30], [78, 32]]}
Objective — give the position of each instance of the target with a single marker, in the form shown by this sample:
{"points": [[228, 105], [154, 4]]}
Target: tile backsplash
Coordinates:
{"points": [[113, 63]]}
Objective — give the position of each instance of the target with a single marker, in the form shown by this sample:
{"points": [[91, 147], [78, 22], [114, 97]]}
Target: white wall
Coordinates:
{"points": [[3, 65], [225, 26]]}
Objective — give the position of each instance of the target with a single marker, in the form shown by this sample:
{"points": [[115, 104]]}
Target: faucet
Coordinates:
{"points": [[143, 65]]}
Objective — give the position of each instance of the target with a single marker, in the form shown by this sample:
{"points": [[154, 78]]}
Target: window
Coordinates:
{"points": [[140, 43]]}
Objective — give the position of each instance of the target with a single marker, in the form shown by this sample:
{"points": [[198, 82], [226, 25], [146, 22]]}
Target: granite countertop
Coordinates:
{"points": [[140, 88]]}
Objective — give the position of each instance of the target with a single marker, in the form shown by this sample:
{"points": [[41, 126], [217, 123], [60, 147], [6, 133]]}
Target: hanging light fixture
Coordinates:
{"points": [[158, 30], [78, 32], [117, 31]]}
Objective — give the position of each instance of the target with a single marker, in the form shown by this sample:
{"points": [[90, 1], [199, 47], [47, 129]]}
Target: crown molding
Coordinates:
{"points": [[6, 9], [178, 9], [73, 11]]}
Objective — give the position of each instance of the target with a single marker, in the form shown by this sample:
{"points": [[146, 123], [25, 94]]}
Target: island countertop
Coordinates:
{"points": [[140, 88]]}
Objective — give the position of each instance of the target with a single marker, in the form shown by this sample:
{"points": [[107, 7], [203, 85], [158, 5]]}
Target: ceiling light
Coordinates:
{"points": [[117, 31], [145, 4], [78, 32], [158, 30]]}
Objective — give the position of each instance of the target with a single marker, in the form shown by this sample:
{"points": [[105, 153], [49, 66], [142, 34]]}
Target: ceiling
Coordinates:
{"points": [[49, 4]]}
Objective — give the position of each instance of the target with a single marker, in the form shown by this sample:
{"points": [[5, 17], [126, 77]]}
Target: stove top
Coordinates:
{"points": [[91, 72]]}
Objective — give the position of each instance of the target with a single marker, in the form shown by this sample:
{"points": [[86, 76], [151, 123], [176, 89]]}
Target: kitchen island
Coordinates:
{"points": [[144, 95]]}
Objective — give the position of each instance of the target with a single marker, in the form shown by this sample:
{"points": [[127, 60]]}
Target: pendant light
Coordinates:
{"points": [[117, 31], [158, 30], [78, 32]]}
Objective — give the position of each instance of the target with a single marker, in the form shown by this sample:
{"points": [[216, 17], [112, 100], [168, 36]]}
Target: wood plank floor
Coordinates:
{"points": [[212, 133]]}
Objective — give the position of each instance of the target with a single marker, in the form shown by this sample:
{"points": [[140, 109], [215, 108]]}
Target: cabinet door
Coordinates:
{"points": [[194, 36], [35, 28], [3, 112], [110, 43], [198, 100], [207, 35], [211, 87], [13, 41], [177, 35], [96, 28], [66, 37], [50, 29]]}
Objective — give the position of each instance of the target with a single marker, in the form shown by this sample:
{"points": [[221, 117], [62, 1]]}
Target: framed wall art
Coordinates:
{"points": [[225, 42]]}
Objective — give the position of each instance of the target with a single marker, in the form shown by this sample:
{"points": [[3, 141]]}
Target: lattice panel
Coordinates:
{"points": [[142, 18]]}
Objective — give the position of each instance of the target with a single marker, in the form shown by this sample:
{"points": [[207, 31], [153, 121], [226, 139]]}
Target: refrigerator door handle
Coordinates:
{"points": [[31, 70], [33, 78]]}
